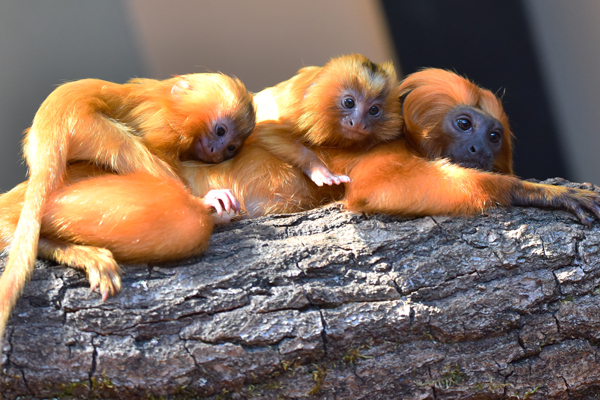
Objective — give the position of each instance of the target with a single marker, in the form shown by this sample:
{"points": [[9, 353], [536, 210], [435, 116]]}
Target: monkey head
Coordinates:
{"points": [[351, 101], [448, 116], [213, 113]]}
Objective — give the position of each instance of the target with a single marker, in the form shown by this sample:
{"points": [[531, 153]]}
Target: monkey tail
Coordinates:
{"points": [[21, 259], [46, 172]]}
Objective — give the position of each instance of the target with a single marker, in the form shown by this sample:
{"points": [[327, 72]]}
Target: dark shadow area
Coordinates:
{"points": [[490, 43]]}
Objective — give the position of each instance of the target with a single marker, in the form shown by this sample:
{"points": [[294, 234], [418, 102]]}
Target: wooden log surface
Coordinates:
{"points": [[328, 304]]}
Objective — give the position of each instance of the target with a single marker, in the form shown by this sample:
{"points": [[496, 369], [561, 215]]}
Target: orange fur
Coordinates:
{"points": [[96, 219], [397, 177], [91, 212], [427, 97], [313, 104], [261, 181], [393, 177], [142, 126]]}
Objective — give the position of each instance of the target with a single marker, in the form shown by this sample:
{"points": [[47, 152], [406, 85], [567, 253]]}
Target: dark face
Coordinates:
{"points": [[359, 115], [221, 144], [476, 138]]}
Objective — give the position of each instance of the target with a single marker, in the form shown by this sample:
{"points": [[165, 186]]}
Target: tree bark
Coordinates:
{"points": [[328, 304]]}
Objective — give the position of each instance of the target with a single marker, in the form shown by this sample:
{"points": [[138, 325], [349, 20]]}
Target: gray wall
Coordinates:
{"points": [[45, 43], [567, 33]]}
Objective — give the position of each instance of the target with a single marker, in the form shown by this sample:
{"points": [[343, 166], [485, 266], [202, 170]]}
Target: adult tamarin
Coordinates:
{"points": [[448, 116]]}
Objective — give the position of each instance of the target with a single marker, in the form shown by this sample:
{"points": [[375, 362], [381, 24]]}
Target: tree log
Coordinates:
{"points": [[328, 304]]}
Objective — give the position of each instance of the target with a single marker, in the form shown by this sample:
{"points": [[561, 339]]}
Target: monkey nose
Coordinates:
{"points": [[473, 149]]}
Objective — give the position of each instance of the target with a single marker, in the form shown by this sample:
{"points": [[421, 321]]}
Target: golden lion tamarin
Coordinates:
{"points": [[349, 103], [443, 120], [143, 127]]}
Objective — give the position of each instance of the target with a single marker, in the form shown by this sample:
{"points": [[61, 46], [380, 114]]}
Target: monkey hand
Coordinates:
{"points": [[578, 201], [221, 200], [320, 175]]}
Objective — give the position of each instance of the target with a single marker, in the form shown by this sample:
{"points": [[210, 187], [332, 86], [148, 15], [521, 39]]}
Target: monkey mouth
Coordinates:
{"points": [[355, 134]]}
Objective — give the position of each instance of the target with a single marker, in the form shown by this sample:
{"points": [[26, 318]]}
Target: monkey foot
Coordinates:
{"points": [[102, 270], [581, 203], [103, 273]]}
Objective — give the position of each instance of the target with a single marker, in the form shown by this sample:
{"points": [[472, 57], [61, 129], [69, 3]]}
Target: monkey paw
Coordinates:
{"points": [[102, 270], [581, 202], [103, 273], [320, 175], [221, 200]]}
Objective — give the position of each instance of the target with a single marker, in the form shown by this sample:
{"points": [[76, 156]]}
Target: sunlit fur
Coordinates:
{"points": [[399, 176], [310, 100], [429, 94], [127, 215], [142, 126], [174, 112], [262, 182], [96, 219], [311, 104], [392, 177]]}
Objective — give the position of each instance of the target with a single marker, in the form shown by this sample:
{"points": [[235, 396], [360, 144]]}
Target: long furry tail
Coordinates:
{"points": [[22, 256], [45, 175]]}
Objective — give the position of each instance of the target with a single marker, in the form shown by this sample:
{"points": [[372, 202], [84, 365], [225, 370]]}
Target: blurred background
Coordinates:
{"points": [[542, 56]]}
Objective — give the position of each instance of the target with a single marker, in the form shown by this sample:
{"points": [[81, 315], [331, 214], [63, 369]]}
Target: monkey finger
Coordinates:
{"points": [[227, 201], [212, 200], [94, 278], [216, 204], [583, 217], [319, 181], [344, 178], [594, 208], [234, 203]]}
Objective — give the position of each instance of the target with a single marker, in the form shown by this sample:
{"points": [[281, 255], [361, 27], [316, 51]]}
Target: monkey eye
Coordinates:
{"points": [[463, 124], [231, 148], [374, 110], [495, 137], [220, 130], [348, 102]]}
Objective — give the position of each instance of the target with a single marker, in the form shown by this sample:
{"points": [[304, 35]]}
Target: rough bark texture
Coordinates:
{"points": [[329, 305]]}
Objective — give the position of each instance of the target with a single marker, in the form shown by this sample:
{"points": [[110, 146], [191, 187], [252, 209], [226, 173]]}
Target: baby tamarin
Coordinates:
{"points": [[350, 103]]}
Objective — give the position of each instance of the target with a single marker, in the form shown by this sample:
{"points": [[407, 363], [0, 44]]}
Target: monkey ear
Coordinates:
{"points": [[308, 88], [181, 87]]}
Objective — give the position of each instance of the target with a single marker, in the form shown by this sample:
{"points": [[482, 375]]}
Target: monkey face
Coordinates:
{"points": [[475, 137], [358, 115], [222, 143]]}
